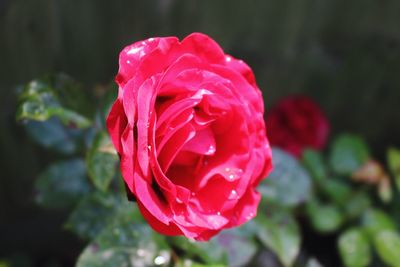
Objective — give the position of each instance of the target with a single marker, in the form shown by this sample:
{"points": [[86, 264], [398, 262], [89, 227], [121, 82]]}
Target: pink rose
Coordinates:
{"points": [[296, 123], [188, 126]]}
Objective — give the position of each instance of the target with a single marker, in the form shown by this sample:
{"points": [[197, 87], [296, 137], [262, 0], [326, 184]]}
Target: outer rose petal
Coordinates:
{"points": [[172, 125], [116, 123], [204, 47], [131, 56], [170, 229], [242, 68]]}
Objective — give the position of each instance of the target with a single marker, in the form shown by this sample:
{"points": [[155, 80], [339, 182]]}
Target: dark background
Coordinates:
{"points": [[344, 54]]}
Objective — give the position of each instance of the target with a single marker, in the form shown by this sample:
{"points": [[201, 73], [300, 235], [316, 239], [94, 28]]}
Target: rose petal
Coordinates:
{"points": [[174, 145], [202, 143], [166, 229], [204, 47], [241, 67], [132, 55], [116, 123], [150, 200], [145, 95]]}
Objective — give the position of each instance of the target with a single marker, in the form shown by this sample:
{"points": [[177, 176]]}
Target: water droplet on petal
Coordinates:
{"points": [[228, 58], [250, 216], [233, 195], [211, 150], [219, 213], [149, 147], [231, 177], [133, 50], [227, 169], [179, 200], [193, 194]]}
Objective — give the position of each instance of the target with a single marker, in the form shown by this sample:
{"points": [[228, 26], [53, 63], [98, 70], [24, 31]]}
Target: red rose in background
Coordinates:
{"points": [[188, 126], [297, 123]]}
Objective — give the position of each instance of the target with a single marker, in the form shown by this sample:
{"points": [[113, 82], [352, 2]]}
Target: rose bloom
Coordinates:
{"points": [[188, 126], [296, 123]]}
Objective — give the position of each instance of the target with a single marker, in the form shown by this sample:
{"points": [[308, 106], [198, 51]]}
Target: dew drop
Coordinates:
{"points": [[149, 147], [179, 200], [193, 194], [250, 216], [233, 195], [133, 50], [228, 58], [211, 150], [231, 177], [219, 213]]}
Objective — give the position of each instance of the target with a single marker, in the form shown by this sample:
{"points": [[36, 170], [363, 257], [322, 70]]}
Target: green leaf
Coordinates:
{"points": [[387, 244], [349, 152], [239, 245], [210, 252], [382, 230], [280, 233], [336, 190], [126, 243], [393, 157], [354, 248], [62, 184], [325, 218], [375, 221], [314, 163], [52, 96], [356, 204], [52, 134], [101, 161], [97, 210], [289, 184]]}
